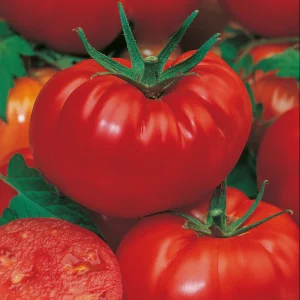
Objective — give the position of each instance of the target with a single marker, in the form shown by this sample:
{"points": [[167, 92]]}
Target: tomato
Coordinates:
{"points": [[274, 18], [150, 49], [139, 155], [277, 94], [278, 162], [161, 260], [15, 133], [54, 259], [154, 21], [51, 22], [113, 229], [6, 191]]}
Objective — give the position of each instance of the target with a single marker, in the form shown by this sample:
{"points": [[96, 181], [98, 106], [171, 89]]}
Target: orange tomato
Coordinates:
{"points": [[15, 133]]}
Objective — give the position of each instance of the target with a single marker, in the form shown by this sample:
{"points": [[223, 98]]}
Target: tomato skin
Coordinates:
{"points": [[178, 264], [6, 191], [153, 49], [54, 259], [156, 20], [273, 18], [129, 143], [99, 19], [15, 133], [277, 94], [278, 162], [113, 229]]}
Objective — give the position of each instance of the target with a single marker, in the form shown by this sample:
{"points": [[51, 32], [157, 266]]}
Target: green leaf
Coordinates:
{"points": [[5, 30], [286, 64], [244, 65], [231, 47], [38, 199], [11, 65], [57, 60], [243, 176]]}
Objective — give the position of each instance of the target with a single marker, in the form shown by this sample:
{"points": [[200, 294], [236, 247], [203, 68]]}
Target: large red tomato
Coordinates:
{"points": [[54, 259], [278, 162], [274, 18], [102, 142], [51, 22], [277, 94], [15, 133], [6, 191], [160, 259], [155, 21]]}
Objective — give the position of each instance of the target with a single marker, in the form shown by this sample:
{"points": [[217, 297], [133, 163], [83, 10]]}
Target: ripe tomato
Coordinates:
{"points": [[54, 259], [51, 22], [139, 155], [278, 162], [150, 49], [274, 18], [173, 263], [113, 229], [15, 133], [6, 191], [277, 94], [154, 21]]}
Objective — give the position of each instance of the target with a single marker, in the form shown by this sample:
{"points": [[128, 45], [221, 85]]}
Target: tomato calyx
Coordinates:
{"points": [[148, 75], [217, 224]]}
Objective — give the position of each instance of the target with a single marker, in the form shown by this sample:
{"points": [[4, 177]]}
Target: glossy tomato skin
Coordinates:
{"points": [[15, 133], [6, 191], [277, 94], [54, 259], [113, 229], [178, 264], [52, 22], [271, 18], [278, 162], [139, 156], [155, 21]]}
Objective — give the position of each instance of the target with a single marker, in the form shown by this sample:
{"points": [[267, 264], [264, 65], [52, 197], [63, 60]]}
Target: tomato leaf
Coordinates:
{"points": [[231, 47], [12, 47], [243, 176], [286, 64], [38, 199]]}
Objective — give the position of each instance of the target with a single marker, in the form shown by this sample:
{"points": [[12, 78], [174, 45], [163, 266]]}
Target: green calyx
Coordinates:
{"points": [[148, 74], [216, 223]]}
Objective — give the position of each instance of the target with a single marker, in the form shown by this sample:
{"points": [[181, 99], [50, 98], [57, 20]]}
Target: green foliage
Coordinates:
{"points": [[38, 199]]}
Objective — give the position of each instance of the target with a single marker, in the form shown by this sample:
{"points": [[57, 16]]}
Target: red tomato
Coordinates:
{"points": [[15, 133], [153, 49], [274, 18], [51, 22], [113, 229], [54, 259], [6, 191], [278, 162], [155, 21], [160, 260], [139, 155], [277, 94]]}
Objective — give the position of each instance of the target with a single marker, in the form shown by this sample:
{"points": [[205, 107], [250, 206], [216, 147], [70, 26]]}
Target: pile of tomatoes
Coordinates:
{"points": [[159, 150]]}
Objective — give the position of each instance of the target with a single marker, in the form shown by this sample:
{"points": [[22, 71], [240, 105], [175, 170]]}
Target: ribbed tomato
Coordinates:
{"points": [[164, 257]]}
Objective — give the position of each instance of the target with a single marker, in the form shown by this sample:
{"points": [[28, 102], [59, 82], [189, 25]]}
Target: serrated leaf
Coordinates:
{"points": [[38, 199], [244, 65], [286, 64], [11, 65]]}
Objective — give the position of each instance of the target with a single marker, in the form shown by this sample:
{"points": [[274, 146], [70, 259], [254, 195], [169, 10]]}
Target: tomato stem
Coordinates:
{"points": [[148, 74]]}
